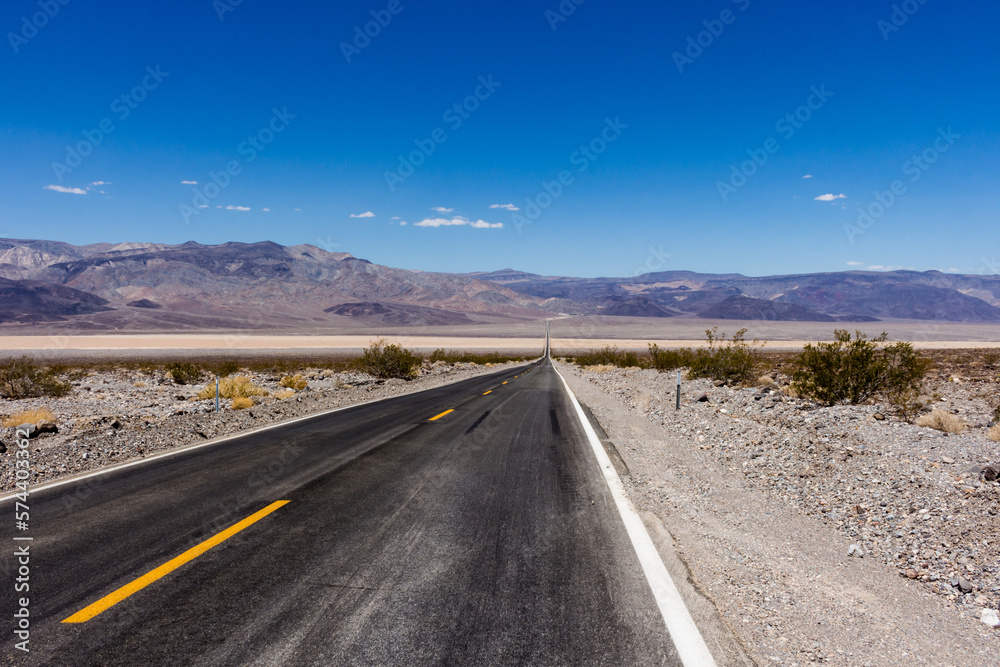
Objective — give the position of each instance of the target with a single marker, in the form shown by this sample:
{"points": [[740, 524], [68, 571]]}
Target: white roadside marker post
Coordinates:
{"points": [[216, 393], [678, 390]]}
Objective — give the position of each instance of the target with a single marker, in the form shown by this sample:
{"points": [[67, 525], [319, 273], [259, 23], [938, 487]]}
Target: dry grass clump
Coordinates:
{"points": [[286, 393], [766, 381], [296, 382], [233, 387], [242, 403], [35, 417], [943, 421], [994, 433], [599, 368]]}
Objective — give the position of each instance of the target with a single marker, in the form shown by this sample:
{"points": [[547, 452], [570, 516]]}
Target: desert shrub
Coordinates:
{"points": [[857, 370], [942, 421], [996, 413], [283, 394], [609, 356], [296, 382], [481, 358], [239, 386], [22, 378], [994, 433], [668, 360], [35, 417], [734, 362], [384, 360], [184, 372], [223, 368], [242, 403]]}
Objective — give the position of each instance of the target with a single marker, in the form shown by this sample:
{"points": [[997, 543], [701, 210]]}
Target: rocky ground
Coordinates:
{"points": [[116, 416], [841, 535]]}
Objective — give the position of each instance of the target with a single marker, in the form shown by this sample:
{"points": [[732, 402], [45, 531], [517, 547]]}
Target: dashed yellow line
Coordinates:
{"points": [[125, 591], [436, 417], [504, 382], [487, 392]]}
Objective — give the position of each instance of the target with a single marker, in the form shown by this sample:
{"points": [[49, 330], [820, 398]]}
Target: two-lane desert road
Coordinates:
{"points": [[464, 525]]}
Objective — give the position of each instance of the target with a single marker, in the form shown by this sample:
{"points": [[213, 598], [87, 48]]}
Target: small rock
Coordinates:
{"points": [[116, 424], [28, 429], [989, 617], [856, 551], [945, 459], [48, 427], [990, 473], [3, 448], [702, 399], [718, 383], [878, 416], [911, 573], [962, 585]]}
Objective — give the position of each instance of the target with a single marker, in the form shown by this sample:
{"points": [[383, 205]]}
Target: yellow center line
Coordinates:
{"points": [[114, 598], [504, 382], [440, 415], [487, 392]]}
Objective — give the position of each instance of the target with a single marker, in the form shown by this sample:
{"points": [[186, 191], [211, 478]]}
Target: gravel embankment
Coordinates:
{"points": [[834, 535], [119, 416]]}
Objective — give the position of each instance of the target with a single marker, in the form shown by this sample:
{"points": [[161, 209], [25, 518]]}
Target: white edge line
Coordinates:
{"points": [[685, 634], [215, 441]]}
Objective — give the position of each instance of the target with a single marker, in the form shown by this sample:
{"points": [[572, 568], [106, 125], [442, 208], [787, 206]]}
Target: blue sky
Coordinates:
{"points": [[630, 137]]}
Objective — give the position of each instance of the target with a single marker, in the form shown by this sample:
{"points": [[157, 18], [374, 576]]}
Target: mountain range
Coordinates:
{"points": [[152, 286]]}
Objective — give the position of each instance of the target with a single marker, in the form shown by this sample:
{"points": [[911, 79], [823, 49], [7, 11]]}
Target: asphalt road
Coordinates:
{"points": [[486, 536]]}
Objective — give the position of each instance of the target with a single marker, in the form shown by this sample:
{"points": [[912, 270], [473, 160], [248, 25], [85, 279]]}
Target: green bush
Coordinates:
{"points": [[609, 356], [481, 358], [857, 370], [733, 362], [223, 368], [22, 378], [668, 360], [383, 360], [184, 372]]}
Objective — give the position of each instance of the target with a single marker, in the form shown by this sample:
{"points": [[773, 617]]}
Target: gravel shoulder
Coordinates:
{"points": [[114, 417], [765, 496]]}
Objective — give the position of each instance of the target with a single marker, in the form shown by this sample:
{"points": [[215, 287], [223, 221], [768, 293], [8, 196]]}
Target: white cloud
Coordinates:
{"points": [[879, 267], [442, 209], [855, 263], [237, 208], [69, 191], [458, 221], [830, 197], [366, 214], [808, 176], [402, 223], [101, 183], [189, 182], [506, 207], [202, 205], [266, 210], [299, 210]]}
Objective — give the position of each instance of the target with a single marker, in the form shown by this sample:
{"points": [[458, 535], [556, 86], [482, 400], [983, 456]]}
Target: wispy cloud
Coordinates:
{"points": [[366, 214], [266, 210], [458, 221], [808, 176], [442, 209], [69, 191], [189, 182], [506, 207], [830, 197], [101, 183], [237, 208], [855, 263]]}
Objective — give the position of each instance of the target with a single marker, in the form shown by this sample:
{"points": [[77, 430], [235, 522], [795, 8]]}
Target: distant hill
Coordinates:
{"points": [[247, 286]]}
